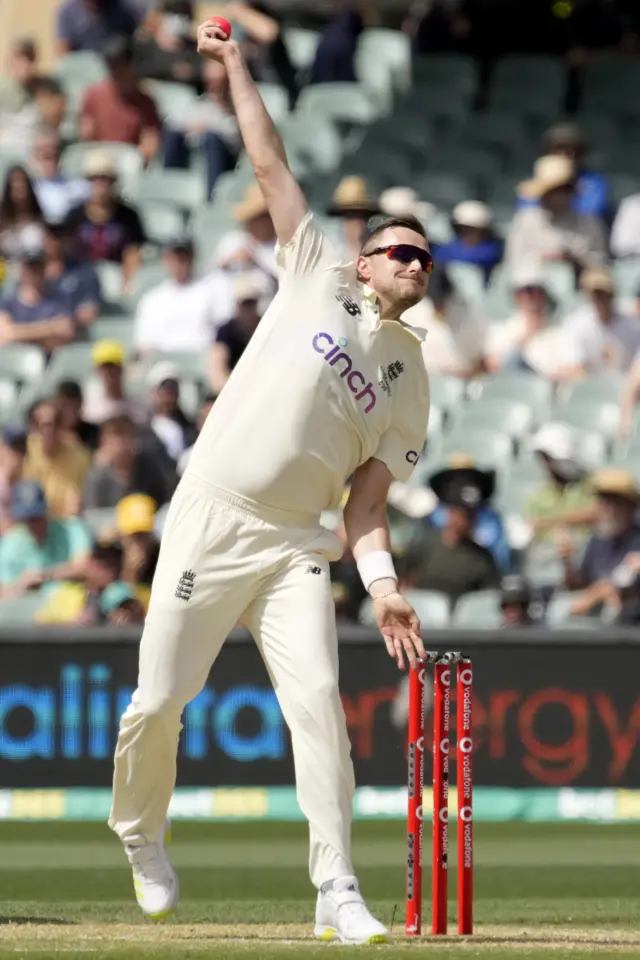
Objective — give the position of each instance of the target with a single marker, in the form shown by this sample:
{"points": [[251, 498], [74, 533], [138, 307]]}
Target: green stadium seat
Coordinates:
{"points": [[180, 188], [487, 446], [82, 65], [623, 185], [516, 386], [72, 362], [445, 190], [173, 100], [8, 397], [468, 279], [149, 275], [445, 71], [604, 387], [301, 46], [126, 157], [503, 131], [477, 611], [346, 102], [111, 284], [385, 54], [514, 419], [22, 363], [315, 138], [431, 607], [447, 393], [161, 222], [603, 81], [100, 520], [626, 274], [560, 279], [589, 413], [22, 611], [276, 100], [480, 166], [534, 70], [113, 328], [192, 365]]}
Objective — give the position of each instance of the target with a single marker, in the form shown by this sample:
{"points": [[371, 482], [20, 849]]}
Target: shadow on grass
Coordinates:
{"points": [[39, 921]]}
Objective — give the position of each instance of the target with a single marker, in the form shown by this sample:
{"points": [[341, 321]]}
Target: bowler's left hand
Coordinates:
{"points": [[400, 627]]}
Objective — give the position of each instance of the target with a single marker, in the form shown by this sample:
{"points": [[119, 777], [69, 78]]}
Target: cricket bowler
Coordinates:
{"points": [[332, 386]]}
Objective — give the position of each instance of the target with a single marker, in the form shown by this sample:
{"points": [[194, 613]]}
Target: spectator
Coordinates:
{"points": [[69, 402], [33, 314], [251, 247], [51, 103], [553, 231], [37, 550], [336, 51], [565, 499], [58, 464], [104, 227], [70, 279], [205, 407], [591, 197], [20, 214], [116, 109], [90, 24], [353, 205], [489, 530], [233, 337], [616, 535], [210, 124], [521, 342], [135, 520], [167, 51], [178, 313], [516, 600], [120, 469], [79, 603], [56, 194], [170, 424], [449, 560], [456, 333], [257, 28], [625, 233], [475, 241], [596, 337], [12, 456], [106, 396], [405, 202], [440, 27], [19, 116], [17, 84]]}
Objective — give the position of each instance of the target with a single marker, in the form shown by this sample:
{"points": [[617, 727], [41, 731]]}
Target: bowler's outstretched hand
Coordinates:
{"points": [[400, 627]]}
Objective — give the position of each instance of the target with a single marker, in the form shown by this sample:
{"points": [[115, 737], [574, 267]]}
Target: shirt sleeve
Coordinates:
{"points": [[309, 249], [145, 329], [80, 540], [401, 445], [133, 224], [90, 287]]}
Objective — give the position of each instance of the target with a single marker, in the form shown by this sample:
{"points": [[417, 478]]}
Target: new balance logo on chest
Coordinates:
{"points": [[185, 585], [349, 304]]}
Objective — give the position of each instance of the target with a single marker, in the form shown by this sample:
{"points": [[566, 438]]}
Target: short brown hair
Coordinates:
{"points": [[381, 222], [117, 426]]}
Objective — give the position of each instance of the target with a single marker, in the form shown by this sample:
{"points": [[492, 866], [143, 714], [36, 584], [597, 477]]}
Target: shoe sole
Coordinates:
{"points": [[330, 933]]}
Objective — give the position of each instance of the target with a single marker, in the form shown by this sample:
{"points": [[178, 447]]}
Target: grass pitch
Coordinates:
{"points": [[542, 890]]}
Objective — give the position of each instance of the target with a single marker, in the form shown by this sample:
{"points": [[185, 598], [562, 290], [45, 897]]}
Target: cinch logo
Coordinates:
{"points": [[355, 380]]}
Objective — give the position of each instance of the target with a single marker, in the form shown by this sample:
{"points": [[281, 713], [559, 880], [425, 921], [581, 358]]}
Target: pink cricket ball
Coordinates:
{"points": [[223, 24]]}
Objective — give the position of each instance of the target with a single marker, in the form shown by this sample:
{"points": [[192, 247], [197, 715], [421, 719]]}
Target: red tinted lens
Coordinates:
{"points": [[406, 253]]}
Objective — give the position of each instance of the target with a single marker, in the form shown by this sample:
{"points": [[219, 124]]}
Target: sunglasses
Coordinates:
{"points": [[406, 253]]}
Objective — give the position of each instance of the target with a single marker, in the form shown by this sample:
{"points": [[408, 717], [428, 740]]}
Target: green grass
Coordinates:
{"points": [[541, 889]]}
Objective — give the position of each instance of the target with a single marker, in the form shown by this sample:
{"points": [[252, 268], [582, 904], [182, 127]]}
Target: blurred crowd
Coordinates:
{"points": [[95, 443]]}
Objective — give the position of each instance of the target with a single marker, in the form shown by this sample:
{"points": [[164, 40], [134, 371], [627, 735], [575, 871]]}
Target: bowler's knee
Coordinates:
{"points": [[153, 709]]}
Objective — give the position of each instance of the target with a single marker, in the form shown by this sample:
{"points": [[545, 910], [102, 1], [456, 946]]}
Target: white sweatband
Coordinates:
{"points": [[376, 566]]}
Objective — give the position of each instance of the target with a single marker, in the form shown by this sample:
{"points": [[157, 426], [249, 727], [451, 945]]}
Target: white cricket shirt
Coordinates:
{"points": [[323, 386]]}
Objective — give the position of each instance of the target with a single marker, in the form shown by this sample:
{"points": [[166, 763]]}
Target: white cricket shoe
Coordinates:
{"points": [[154, 879], [342, 914]]}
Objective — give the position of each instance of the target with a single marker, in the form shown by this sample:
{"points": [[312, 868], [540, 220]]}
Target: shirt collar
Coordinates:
{"points": [[370, 296]]}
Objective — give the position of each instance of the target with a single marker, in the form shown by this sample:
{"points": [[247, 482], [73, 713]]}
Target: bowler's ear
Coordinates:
{"points": [[363, 268]]}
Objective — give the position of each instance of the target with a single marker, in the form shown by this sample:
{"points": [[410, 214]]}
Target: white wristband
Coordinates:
{"points": [[376, 566]]}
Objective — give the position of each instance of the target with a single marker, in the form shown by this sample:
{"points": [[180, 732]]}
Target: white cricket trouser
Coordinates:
{"points": [[248, 567]]}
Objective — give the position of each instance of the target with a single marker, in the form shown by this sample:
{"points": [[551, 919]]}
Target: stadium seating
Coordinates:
{"points": [[22, 363], [431, 607], [477, 611]]}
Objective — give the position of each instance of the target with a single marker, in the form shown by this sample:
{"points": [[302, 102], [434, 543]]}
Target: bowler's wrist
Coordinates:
{"points": [[383, 588]]}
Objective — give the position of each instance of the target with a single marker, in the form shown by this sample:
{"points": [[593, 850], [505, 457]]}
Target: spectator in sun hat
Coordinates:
{"points": [[181, 312], [475, 241], [448, 559], [616, 536], [104, 227], [233, 337], [597, 336], [38, 550], [405, 202], [565, 498], [135, 526], [175, 430], [522, 341], [353, 205], [552, 231], [488, 529], [106, 395], [253, 245], [591, 195]]}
